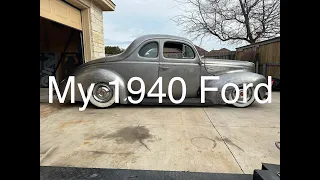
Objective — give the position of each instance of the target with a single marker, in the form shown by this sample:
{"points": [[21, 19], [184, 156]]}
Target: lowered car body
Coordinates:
{"points": [[153, 56]]}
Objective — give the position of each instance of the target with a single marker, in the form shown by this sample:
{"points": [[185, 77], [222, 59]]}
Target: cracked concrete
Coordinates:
{"points": [[202, 139]]}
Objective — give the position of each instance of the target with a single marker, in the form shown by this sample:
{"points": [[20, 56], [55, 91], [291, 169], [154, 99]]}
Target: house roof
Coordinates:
{"points": [[276, 39], [199, 49], [222, 51], [106, 5]]}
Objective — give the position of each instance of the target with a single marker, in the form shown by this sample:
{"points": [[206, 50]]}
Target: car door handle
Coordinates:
{"points": [[163, 68]]}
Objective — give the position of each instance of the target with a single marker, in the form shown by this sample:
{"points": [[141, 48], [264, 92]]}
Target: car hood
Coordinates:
{"points": [[222, 66]]}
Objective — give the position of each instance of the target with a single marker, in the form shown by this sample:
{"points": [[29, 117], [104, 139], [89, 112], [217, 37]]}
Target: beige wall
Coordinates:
{"points": [[92, 19]]}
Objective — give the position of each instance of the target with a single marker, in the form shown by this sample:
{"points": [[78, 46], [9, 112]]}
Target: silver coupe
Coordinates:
{"points": [[166, 56]]}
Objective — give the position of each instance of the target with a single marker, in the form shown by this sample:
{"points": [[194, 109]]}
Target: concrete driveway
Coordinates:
{"points": [[200, 139]]}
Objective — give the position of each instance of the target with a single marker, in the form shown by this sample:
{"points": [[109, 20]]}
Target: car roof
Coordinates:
{"points": [[135, 43], [159, 36]]}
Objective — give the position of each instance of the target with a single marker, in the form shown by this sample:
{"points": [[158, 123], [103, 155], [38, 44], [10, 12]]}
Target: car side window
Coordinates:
{"points": [[177, 50], [149, 50], [188, 52]]}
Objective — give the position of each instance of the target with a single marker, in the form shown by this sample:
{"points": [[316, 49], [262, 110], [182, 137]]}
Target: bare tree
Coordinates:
{"points": [[231, 20]]}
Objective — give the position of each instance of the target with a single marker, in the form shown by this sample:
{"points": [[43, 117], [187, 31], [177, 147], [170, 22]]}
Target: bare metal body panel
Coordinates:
{"points": [[129, 64]]}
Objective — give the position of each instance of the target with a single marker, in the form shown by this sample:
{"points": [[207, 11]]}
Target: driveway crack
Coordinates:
{"points": [[223, 141]]}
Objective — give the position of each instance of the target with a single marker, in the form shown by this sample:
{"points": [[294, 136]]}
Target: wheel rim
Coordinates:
{"points": [[102, 93], [241, 95]]}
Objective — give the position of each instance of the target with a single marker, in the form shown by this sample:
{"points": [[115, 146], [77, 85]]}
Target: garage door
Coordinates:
{"points": [[61, 12]]}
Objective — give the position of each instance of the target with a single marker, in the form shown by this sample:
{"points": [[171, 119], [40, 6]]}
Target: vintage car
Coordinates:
{"points": [[166, 56]]}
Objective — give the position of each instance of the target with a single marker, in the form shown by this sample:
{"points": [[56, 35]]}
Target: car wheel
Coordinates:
{"points": [[240, 103], [102, 95]]}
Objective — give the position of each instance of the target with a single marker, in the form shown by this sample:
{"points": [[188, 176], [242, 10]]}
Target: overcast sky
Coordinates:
{"points": [[133, 18]]}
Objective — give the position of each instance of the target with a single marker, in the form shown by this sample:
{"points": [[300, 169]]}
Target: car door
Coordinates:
{"points": [[179, 59], [143, 62]]}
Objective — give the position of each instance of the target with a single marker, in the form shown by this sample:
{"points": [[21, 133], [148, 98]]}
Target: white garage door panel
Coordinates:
{"points": [[61, 12]]}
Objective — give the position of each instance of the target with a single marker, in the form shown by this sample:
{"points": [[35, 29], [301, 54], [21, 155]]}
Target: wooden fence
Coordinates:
{"points": [[266, 56], [269, 69]]}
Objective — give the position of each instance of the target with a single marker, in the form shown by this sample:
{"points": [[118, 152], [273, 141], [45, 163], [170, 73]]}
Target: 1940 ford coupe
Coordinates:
{"points": [[152, 56]]}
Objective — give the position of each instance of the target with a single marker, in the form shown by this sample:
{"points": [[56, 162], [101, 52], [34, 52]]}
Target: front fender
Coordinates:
{"points": [[89, 75], [238, 78]]}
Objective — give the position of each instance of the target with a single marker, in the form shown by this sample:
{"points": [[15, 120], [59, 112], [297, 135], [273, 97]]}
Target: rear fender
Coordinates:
{"points": [[95, 75]]}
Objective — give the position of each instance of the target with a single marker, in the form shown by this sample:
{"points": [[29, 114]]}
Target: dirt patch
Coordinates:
{"points": [[104, 152], [86, 142], [228, 141], [68, 123], [47, 109], [129, 134]]}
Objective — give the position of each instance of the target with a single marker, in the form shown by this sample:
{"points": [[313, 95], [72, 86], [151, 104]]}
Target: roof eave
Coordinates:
{"points": [[106, 5]]}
